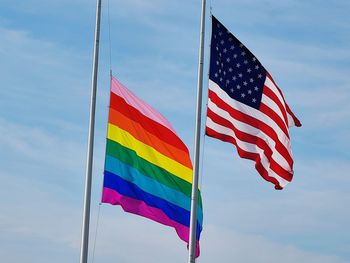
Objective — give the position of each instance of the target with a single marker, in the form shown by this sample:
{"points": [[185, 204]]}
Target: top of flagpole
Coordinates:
{"points": [[193, 219]]}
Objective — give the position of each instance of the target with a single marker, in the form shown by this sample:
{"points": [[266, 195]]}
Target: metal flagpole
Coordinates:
{"points": [[194, 198], [88, 176]]}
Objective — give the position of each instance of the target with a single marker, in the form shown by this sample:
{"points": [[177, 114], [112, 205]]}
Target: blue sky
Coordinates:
{"points": [[45, 65]]}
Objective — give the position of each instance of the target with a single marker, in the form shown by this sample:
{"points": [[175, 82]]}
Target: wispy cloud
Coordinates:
{"points": [[223, 244]]}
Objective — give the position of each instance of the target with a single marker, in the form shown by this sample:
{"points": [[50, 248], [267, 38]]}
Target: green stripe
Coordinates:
{"points": [[157, 173], [149, 185]]}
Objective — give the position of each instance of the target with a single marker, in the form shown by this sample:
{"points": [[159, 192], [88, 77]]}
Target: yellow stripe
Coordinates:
{"points": [[148, 153]]}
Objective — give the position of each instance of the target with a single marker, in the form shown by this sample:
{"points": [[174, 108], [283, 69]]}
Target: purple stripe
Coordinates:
{"points": [[140, 208]]}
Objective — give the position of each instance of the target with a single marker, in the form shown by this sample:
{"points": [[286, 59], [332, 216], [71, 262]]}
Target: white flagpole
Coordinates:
{"points": [[194, 198], [88, 177]]}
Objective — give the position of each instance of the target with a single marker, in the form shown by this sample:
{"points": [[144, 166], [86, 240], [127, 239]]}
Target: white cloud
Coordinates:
{"points": [[224, 245], [32, 144]]}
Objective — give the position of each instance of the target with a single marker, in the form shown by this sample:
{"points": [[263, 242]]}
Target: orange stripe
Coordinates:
{"points": [[136, 130]]}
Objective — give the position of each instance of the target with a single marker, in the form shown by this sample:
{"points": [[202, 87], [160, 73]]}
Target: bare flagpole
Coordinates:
{"points": [[194, 198], [88, 177]]}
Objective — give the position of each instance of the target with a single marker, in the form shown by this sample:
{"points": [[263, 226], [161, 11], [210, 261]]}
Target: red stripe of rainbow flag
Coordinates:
{"points": [[148, 170]]}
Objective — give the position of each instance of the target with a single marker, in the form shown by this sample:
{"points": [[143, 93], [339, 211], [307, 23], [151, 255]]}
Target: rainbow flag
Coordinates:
{"points": [[148, 170]]}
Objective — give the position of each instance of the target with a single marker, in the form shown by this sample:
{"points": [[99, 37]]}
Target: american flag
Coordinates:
{"points": [[247, 108]]}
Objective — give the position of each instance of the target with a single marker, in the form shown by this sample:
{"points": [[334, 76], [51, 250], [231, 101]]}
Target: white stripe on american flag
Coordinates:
{"points": [[246, 128], [250, 112], [277, 141], [269, 83], [292, 121], [247, 147], [274, 107], [248, 134]]}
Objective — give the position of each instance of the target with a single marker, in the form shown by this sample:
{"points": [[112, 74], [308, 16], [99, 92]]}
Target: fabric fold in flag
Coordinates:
{"points": [[247, 108], [148, 170]]}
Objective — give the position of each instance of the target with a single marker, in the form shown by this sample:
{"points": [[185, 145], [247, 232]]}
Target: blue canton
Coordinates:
{"points": [[234, 68]]}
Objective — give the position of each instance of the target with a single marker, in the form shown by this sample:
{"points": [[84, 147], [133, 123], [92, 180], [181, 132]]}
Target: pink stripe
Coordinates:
{"points": [[139, 207], [120, 90]]}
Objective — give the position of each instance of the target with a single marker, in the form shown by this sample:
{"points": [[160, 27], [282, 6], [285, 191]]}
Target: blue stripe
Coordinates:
{"points": [[128, 189], [149, 185]]}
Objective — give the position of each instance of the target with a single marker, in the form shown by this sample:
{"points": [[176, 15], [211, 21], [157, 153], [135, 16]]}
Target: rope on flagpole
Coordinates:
{"points": [[206, 107], [96, 231]]}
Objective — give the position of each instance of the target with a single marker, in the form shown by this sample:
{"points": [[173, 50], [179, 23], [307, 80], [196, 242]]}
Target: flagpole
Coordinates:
{"points": [[194, 198], [88, 176]]}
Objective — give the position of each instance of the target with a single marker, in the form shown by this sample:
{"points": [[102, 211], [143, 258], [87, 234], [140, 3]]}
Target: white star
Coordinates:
{"points": [[228, 59], [225, 50], [249, 70], [245, 61], [217, 62], [230, 39], [259, 76], [254, 59], [240, 75], [220, 33], [242, 95], [218, 25], [234, 78], [216, 75], [230, 69], [238, 65], [232, 90], [217, 48], [245, 83], [251, 80], [224, 72], [241, 45], [238, 86], [256, 67], [249, 91], [219, 70], [222, 42], [221, 79], [256, 88], [243, 53], [235, 55], [227, 81], [254, 100]]}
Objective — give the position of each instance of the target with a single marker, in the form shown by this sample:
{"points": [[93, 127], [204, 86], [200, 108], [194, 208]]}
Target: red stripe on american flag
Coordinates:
{"points": [[288, 110], [260, 143], [240, 116], [247, 155], [259, 135], [269, 93], [295, 119], [275, 117]]}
